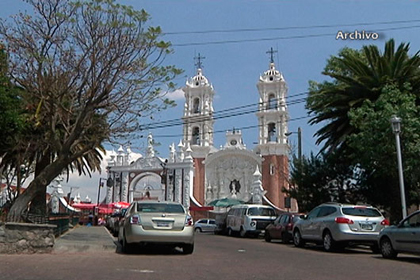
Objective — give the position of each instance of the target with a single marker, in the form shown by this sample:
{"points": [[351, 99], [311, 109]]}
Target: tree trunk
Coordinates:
{"points": [[39, 202], [33, 199], [21, 204]]}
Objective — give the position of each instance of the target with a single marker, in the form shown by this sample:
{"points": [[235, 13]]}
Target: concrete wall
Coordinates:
{"points": [[18, 238]]}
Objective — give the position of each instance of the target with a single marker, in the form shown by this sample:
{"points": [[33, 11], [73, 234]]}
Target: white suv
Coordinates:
{"points": [[336, 225]]}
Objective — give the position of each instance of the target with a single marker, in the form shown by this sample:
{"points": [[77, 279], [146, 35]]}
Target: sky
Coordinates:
{"points": [[234, 37]]}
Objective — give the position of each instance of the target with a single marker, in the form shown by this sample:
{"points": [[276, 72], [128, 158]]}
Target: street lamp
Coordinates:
{"points": [[299, 133], [101, 184], [396, 128]]}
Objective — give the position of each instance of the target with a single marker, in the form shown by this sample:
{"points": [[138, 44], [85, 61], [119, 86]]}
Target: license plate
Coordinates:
{"points": [[366, 226], [162, 224]]}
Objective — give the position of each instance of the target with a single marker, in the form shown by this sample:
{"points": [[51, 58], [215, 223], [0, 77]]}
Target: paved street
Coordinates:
{"points": [[215, 257]]}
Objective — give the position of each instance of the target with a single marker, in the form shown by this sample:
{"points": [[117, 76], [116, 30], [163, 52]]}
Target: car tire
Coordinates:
{"points": [[188, 249], [267, 236], [328, 242], [285, 238], [242, 232], [386, 248], [126, 248], [198, 230], [375, 248], [297, 239], [230, 232]]}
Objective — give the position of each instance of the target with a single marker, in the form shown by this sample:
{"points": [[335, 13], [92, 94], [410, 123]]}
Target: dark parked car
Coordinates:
{"points": [[112, 222], [282, 227], [404, 237]]}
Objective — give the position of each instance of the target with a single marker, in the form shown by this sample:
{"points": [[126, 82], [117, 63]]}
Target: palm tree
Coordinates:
{"points": [[358, 76]]}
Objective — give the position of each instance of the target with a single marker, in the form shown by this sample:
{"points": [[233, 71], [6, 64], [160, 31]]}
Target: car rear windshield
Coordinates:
{"points": [[255, 211], [361, 211], [160, 207]]}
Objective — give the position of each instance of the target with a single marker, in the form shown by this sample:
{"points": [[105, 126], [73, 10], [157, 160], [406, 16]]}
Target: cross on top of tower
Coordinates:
{"points": [[271, 52], [199, 63]]}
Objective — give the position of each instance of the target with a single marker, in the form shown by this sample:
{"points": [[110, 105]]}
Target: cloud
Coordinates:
{"points": [[175, 95]]}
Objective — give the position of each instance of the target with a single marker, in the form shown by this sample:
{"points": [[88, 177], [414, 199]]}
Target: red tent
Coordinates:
{"points": [[84, 206], [120, 204], [102, 208]]}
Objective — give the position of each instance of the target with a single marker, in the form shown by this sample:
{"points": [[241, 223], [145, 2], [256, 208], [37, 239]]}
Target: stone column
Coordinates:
{"points": [[124, 195]]}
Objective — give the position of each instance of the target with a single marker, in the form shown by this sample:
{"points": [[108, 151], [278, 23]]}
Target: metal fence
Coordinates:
{"points": [[62, 221]]}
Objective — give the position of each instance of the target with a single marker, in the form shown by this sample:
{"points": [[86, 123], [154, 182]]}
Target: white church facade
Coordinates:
{"points": [[196, 172]]}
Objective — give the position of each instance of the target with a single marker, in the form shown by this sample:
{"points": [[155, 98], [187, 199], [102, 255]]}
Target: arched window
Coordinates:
{"points": [[196, 105], [196, 136], [272, 101], [272, 135]]}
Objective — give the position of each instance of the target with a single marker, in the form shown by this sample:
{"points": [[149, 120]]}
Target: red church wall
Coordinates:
{"points": [[199, 175], [273, 183]]}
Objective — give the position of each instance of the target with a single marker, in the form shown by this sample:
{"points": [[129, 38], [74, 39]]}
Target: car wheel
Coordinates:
{"points": [[328, 242], [297, 239], [285, 238], [230, 232], [198, 230], [188, 249], [386, 248], [242, 232], [267, 236], [126, 248], [375, 248]]}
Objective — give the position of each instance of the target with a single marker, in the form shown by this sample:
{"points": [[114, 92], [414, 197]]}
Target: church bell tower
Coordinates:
{"points": [[198, 124], [272, 142], [198, 111]]}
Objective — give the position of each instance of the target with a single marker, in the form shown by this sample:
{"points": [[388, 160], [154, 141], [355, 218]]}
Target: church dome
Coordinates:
{"points": [[272, 74], [198, 80]]}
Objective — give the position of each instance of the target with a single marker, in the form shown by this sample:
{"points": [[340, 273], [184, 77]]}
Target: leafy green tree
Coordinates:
{"points": [[11, 121], [374, 147], [358, 76], [90, 71], [12, 124], [323, 178], [366, 88]]}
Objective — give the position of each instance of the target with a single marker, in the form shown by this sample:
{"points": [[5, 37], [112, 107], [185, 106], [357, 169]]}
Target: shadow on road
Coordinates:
{"points": [[403, 258], [150, 249]]}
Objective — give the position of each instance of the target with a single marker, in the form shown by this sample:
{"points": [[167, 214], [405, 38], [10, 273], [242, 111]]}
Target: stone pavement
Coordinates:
{"points": [[85, 238]]}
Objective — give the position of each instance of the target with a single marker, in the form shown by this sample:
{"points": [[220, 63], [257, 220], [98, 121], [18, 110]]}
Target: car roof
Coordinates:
{"points": [[346, 204], [157, 201], [251, 205], [291, 214]]}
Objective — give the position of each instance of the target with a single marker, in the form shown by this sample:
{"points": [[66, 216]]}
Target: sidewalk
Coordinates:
{"points": [[84, 238]]}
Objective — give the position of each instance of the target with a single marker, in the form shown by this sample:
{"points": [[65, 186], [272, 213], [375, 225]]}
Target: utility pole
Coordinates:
{"points": [[300, 144]]}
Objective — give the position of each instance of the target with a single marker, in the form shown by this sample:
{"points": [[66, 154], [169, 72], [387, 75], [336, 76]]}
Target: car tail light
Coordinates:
{"points": [[189, 221], [385, 222], [135, 220], [342, 220], [289, 226]]}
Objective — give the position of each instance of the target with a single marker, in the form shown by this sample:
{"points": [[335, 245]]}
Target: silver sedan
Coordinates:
{"points": [[158, 222], [402, 238]]}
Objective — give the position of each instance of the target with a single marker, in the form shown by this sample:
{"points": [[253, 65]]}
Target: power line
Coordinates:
{"points": [[226, 113], [224, 130], [282, 38], [289, 27], [199, 119]]}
